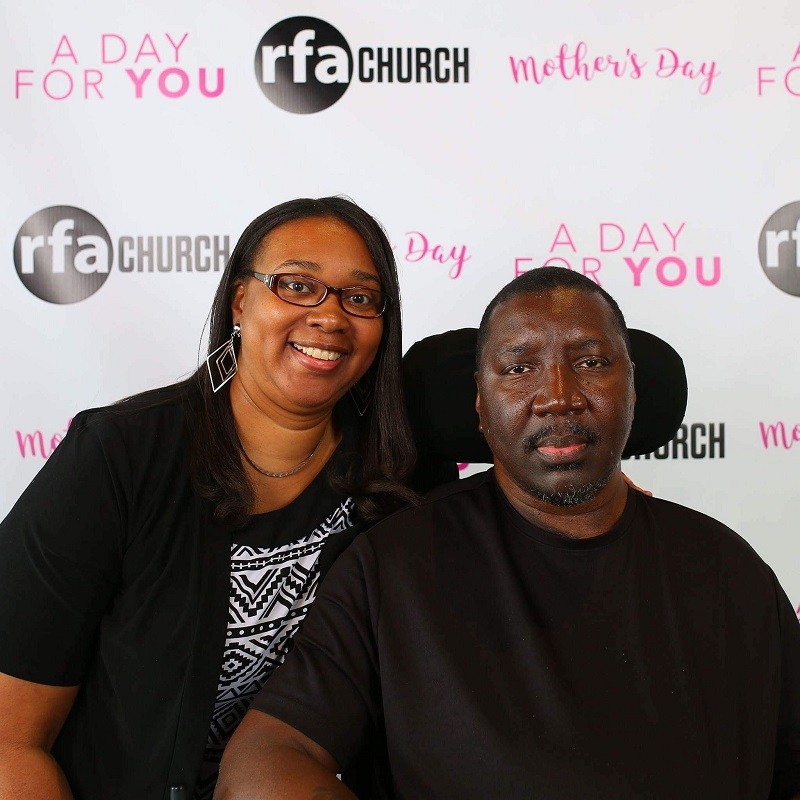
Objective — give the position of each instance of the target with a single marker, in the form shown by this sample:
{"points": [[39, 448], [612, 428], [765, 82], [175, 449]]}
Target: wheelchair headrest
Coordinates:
{"points": [[439, 385]]}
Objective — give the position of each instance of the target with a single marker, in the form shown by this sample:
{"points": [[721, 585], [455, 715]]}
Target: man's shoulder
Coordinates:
{"points": [[687, 532], [452, 499]]}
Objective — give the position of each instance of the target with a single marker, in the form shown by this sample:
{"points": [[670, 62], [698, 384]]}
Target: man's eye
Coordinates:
{"points": [[593, 363], [515, 369]]}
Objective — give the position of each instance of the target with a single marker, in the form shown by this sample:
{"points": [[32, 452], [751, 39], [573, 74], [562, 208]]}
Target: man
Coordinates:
{"points": [[539, 630]]}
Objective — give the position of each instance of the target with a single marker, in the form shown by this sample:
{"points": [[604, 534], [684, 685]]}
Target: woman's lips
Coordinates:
{"points": [[308, 356]]}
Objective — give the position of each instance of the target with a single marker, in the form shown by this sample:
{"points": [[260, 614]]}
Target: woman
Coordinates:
{"points": [[153, 574]]}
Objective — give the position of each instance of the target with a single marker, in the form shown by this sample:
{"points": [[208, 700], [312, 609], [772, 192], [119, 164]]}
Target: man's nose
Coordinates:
{"points": [[558, 392]]}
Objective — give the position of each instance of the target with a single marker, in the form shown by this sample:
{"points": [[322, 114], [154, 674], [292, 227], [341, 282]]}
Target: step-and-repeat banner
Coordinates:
{"points": [[652, 147]]}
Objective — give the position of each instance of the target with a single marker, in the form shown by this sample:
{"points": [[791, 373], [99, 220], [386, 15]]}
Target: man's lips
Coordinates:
{"points": [[563, 449], [561, 446]]}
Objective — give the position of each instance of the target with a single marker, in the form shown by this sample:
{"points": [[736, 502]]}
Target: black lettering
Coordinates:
{"points": [[681, 442], [716, 438], [202, 259], [164, 253], [222, 252], [183, 253], [365, 74], [423, 63], [405, 66], [461, 66], [385, 65], [126, 257], [697, 435], [145, 254], [442, 73], [662, 452]]}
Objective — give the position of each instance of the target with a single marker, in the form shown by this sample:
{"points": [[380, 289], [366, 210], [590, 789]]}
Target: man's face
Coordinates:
{"points": [[555, 395]]}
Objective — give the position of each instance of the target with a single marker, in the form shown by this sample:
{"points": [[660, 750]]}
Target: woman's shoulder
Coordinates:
{"points": [[159, 419]]}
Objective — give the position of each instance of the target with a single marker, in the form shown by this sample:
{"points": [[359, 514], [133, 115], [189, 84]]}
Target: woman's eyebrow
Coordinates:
{"points": [[365, 276]]}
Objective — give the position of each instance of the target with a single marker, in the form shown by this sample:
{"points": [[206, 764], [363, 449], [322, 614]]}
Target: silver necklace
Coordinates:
{"points": [[293, 471]]}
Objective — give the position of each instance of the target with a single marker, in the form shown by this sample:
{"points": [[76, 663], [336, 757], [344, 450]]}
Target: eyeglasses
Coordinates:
{"points": [[300, 290]]}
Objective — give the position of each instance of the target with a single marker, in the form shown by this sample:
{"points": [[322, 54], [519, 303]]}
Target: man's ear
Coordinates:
{"points": [[478, 404]]}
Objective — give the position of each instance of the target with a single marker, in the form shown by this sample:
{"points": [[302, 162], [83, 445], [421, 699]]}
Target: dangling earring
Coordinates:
{"points": [[361, 393], [221, 363]]}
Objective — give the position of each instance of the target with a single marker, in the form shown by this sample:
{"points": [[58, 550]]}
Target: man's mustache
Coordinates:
{"points": [[569, 428]]}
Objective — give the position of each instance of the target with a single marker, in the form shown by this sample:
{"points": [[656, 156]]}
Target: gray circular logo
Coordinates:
{"points": [[779, 248], [303, 65], [62, 254]]}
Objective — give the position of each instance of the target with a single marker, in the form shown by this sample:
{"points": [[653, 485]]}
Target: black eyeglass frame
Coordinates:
{"points": [[269, 281]]}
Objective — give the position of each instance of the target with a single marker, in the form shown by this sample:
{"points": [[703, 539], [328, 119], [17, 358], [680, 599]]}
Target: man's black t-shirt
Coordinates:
{"points": [[499, 660]]}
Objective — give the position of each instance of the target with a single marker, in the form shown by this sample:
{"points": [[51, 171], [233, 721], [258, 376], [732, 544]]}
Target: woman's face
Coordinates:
{"points": [[302, 359]]}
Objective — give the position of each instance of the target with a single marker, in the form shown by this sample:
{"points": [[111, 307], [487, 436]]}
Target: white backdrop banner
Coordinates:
{"points": [[648, 146]]}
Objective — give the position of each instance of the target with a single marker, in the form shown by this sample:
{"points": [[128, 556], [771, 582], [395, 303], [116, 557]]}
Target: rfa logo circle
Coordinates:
{"points": [[303, 65], [62, 254], [779, 248]]}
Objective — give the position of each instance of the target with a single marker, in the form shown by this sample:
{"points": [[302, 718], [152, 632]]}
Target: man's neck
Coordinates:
{"points": [[582, 521]]}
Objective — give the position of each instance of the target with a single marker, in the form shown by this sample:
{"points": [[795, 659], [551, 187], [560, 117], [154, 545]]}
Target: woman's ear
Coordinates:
{"points": [[238, 300]]}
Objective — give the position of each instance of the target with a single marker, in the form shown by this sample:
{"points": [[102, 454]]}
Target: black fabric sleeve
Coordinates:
{"points": [[328, 686], [60, 550], [786, 778]]}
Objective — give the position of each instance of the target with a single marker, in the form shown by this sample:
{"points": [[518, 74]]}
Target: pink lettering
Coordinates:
{"points": [[604, 246], [144, 52], [701, 277], [47, 82], [183, 82], [18, 82], [176, 47], [574, 63], [95, 84], [567, 242], [556, 261], [138, 80], [789, 88], [520, 67], [517, 268], [661, 271], [419, 247], [33, 444], [589, 266], [218, 89], [778, 435], [762, 80], [645, 237], [670, 64], [68, 52], [674, 236], [110, 38], [636, 269], [588, 263]]}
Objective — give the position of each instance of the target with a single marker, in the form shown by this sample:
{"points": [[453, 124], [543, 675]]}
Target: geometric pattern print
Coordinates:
{"points": [[271, 591]]}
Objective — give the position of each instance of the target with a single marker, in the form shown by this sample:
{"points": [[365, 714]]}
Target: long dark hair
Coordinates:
{"points": [[385, 449]]}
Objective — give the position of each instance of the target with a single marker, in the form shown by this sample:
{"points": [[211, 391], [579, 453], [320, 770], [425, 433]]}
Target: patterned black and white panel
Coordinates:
{"points": [[271, 592]]}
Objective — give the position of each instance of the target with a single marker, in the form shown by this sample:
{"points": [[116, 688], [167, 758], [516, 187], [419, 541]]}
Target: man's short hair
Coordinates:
{"points": [[545, 279]]}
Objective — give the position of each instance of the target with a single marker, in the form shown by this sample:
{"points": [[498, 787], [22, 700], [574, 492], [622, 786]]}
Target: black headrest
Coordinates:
{"points": [[439, 385]]}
